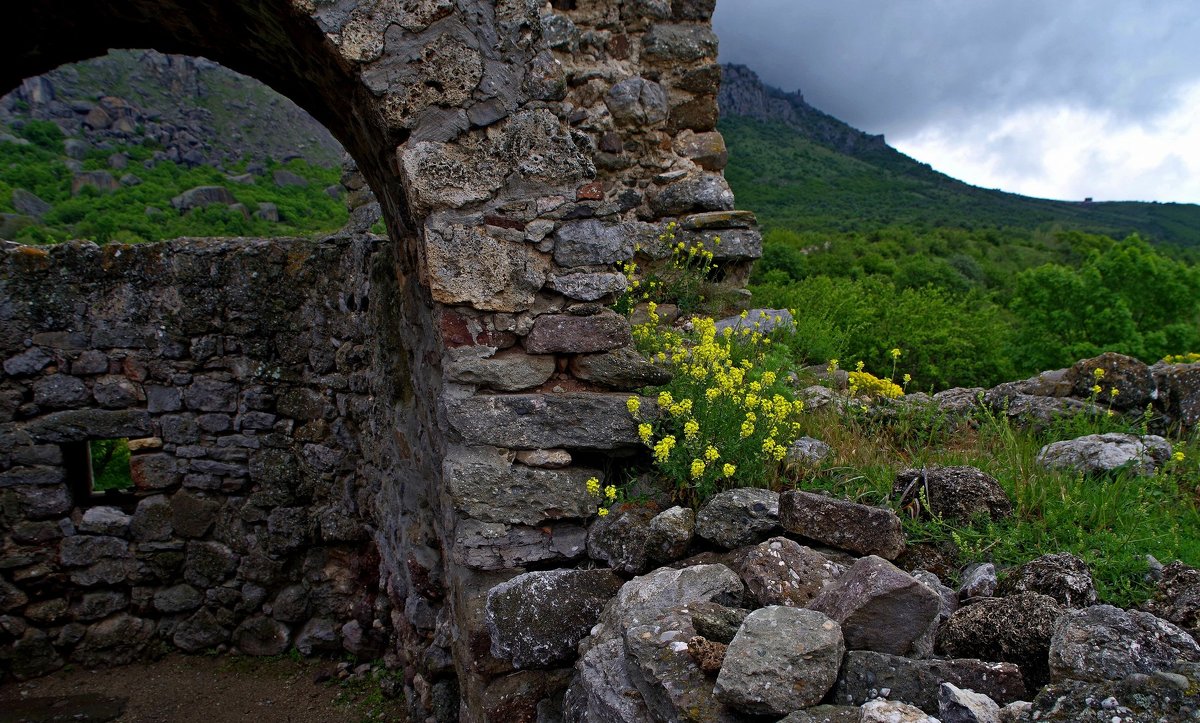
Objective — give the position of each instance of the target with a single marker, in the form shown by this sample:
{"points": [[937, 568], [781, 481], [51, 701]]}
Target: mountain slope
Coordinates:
{"points": [[805, 170]]}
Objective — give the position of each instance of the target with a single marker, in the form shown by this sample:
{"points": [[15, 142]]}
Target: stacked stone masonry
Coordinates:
{"points": [[346, 444]]}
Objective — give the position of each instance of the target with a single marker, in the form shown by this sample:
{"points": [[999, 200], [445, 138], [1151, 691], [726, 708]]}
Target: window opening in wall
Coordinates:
{"points": [[110, 465], [98, 471]]}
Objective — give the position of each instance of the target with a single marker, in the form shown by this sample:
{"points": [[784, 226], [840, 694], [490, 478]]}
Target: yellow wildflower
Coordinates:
{"points": [[664, 399], [768, 378], [662, 450], [633, 404], [691, 428], [895, 353], [603, 512], [1112, 392], [593, 487], [728, 469], [610, 494], [645, 432], [1178, 456], [697, 468], [1098, 373], [1096, 389], [711, 454]]}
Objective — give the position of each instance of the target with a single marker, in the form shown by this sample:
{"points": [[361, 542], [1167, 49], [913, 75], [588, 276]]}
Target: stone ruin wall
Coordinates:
{"points": [[351, 441]]}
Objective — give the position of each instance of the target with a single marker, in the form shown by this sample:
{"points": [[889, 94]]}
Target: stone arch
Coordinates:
{"points": [[518, 152]]}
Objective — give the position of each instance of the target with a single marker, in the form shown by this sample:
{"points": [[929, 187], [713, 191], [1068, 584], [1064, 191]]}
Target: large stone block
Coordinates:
{"points": [[842, 524], [866, 674], [567, 333], [545, 421], [484, 485], [538, 618], [466, 266], [496, 546], [510, 370], [77, 425]]}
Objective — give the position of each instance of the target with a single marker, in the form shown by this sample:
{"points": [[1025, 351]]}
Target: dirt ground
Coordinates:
{"points": [[198, 689]]}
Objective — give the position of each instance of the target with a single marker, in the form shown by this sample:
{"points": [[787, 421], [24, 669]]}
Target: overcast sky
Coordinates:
{"points": [[1049, 98]]}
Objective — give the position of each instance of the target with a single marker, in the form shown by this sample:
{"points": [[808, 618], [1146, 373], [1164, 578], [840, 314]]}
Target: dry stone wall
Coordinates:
{"points": [[442, 396]]}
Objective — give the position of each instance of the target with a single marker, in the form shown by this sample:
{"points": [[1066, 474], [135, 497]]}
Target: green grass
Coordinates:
{"points": [[110, 465]]}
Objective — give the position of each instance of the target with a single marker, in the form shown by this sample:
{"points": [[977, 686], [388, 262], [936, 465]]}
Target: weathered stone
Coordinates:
{"points": [[781, 659], [154, 471], [867, 675], [1062, 576], [87, 550], [1130, 377], [60, 391], [578, 334], [669, 534], [637, 102], [11, 597], [806, 452], [1034, 411], [673, 43], [589, 286], [782, 572], [211, 395], [510, 279], [208, 563], [29, 204], [104, 521], [622, 368], [1177, 597], [738, 517], [291, 604], [30, 361], [199, 632], [1179, 391], [951, 493], [1106, 643], [545, 458], [842, 524], [537, 619], [824, 714], [879, 607], [510, 370], [956, 705], [701, 192], [101, 604], [622, 539], [1100, 453], [593, 243], [40, 476], [117, 640], [319, 634], [178, 599], [602, 690], [979, 580], [496, 546], [484, 485], [152, 519], [1164, 696], [671, 682], [114, 392], [262, 636], [888, 711], [1013, 629], [543, 421], [706, 149]]}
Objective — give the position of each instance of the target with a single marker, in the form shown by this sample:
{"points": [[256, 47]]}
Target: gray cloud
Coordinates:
{"points": [[895, 66]]}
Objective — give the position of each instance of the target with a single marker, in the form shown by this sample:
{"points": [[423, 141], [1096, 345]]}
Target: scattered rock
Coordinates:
{"points": [[783, 572], [888, 711], [202, 196], [956, 705], [536, 619], [1101, 453], [842, 524], [1156, 698], [1062, 576], [670, 534], [951, 493], [1106, 643], [709, 655], [806, 452], [738, 517], [716, 622], [781, 659], [879, 607], [622, 539], [1132, 379], [1013, 629], [978, 580], [867, 675], [1177, 597]]}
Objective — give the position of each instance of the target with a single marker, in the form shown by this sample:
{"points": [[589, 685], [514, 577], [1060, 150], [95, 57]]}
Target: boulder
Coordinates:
{"points": [[716, 622], [201, 196], [670, 534], [879, 607], [601, 689], [117, 640], [979, 580], [951, 493], [867, 675], [261, 635], [1062, 576], [842, 524], [1101, 453], [1155, 698], [1131, 377], [622, 539], [1179, 392], [1106, 643], [738, 517], [781, 659], [783, 572], [700, 192], [1013, 629], [536, 619], [29, 204]]}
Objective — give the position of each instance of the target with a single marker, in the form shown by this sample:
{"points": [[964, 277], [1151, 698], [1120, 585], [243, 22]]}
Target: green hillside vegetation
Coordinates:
{"points": [[143, 212], [880, 252]]}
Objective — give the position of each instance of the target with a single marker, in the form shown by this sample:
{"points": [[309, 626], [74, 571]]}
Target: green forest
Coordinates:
{"points": [[977, 287], [140, 208]]}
